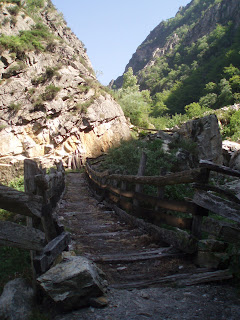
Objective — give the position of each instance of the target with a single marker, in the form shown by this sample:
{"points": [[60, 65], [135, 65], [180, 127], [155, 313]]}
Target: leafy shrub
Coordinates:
{"points": [[50, 92], [234, 126], [27, 40], [17, 183], [2, 126], [13, 10], [31, 5], [14, 263], [5, 21], [14, 106], [47, 75]]}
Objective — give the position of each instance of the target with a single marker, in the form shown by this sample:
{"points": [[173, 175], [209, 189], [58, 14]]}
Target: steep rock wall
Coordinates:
{"points": [[51, 104]]}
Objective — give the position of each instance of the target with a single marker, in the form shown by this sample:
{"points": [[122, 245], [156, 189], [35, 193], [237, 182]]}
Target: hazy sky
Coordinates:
{"points": [[112, 30]]}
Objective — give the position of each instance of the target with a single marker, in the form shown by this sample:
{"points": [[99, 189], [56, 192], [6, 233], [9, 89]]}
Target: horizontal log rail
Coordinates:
{"points": [[20, 202], [42, 192], [50, 252], [15, 235], [220, 169], [170, 179], [220, 206], [204, 200]]}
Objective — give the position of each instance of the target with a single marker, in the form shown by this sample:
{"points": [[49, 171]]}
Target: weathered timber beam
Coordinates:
{"points": [[52, 250], [45, 180], [177, 238], [129, 259], [170, 179], [175, 205], [15, 235], [228, 194], [182, 177], [217, 205], [20, 202], [185, 279], [221, 169], [98, 174], [161, 217]]}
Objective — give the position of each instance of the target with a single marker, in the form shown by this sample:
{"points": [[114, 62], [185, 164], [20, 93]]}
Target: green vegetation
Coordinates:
{"points": [[50, 92], [14, 263], [195, 78], [15, 106], [135, 103], [29, 40], [46, 76], [125, 158]]}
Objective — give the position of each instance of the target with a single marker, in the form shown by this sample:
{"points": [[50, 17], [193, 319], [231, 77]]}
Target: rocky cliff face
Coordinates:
{"points": [[191, 23], [51, 104]]}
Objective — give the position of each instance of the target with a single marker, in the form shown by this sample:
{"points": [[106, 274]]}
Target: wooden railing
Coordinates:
{"points": [[42, 235], [124, 192]]}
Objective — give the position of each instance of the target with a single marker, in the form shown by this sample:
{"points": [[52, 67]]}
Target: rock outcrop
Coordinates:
{"points": [[205, 132], [74, 283], [16, 301], [51, 104]]}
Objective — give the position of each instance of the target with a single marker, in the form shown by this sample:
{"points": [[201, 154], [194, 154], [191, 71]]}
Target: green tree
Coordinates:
{"points": [[195, 110], [226, 96], [209, 100], [129, 80]]}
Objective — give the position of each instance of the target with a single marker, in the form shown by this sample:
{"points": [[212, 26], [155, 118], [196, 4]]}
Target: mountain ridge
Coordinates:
{"points": [[194, 24]]}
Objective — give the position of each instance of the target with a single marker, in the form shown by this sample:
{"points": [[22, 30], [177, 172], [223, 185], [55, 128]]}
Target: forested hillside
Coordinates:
{"points": [[191, 58]]}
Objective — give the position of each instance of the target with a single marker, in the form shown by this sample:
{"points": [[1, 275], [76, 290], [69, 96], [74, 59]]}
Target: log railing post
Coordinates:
{"points": [[201, 212], [30, 170], [141, 171]]}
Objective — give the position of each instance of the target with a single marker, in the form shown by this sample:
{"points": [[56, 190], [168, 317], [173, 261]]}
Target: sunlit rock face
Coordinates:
{"points": [[51, 104]]}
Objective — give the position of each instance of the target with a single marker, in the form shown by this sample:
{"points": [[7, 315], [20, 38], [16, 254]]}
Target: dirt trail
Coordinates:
{"points": [[128, 255]]}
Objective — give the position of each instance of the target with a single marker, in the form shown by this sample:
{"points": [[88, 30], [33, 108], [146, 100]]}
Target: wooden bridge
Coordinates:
{"points": [[133, 252]]}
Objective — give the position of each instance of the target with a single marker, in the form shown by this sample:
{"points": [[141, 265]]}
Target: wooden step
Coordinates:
{"points": [[135, 256], [186, 279]]}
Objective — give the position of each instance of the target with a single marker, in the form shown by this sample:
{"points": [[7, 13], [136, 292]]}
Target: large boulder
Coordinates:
{"points": [[205, 132], [16, 300], [231, 151], [73, 283]]}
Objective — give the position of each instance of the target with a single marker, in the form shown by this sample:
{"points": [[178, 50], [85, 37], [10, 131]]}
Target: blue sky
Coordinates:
{"points": [[112, 30]]}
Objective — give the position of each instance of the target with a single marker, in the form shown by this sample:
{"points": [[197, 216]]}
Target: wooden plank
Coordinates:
{"points": [[175, 205], [177, 238], [217, 168], [129, 259], [48, 223], [197, 226], [20, 202], [170, 179], [228, 194], [185, 279], [182, 177], [217, 205], [15, 235], [51, 251], [159, 217], [30, 170], [141, 171]]}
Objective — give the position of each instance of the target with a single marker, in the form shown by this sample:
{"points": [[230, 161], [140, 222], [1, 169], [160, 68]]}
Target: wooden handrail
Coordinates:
{"points": [[182, 177], [217, 168]]}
